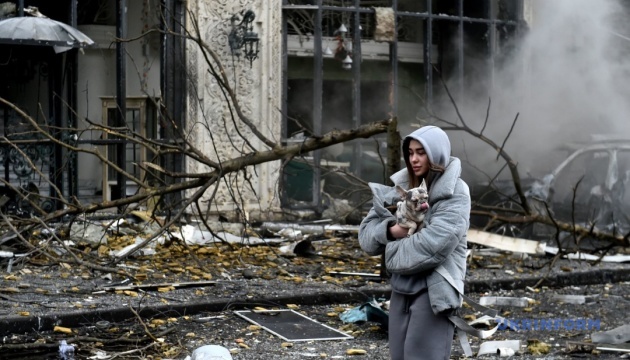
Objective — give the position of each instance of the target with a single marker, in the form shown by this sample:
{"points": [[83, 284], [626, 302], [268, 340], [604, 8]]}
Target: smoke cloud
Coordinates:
{"points": [[568, 81]]}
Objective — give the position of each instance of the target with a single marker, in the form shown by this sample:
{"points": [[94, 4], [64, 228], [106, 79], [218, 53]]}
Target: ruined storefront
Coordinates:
{"points": [[336, 64], [297, 69], [62, 67]]}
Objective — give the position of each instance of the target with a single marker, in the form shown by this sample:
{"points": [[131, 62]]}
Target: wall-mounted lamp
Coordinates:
{"points": [[347, 63], [242, 38], [343, 51]]}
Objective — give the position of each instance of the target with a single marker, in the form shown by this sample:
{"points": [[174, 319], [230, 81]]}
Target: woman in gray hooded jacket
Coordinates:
{"points": [[422, 298]]}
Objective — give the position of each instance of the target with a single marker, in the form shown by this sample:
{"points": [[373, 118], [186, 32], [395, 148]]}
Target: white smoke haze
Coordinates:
{"points": [[569, 81]]}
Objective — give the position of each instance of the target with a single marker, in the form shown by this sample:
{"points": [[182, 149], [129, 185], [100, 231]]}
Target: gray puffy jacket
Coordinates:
{"points": [[442, 240]]}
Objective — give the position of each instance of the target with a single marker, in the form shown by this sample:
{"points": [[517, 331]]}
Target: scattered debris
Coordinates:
{"points": [[370, 311], [611, 348], [505, 242], [573, 299], [537, 347], [66, 351], [291, 234], [493, 266], [579, 347], [204, 319], [299, 248], [193, 235], [310, 228], [486, 320], [147, 250], [11, 258], [290, 325], [505, 301], [210, 352], [495, 347], [364, 275], [356, 352], [617, 335], [158, 286], [385, 24], [89, 232], [585, 347], [582, 256], [63, 329]]}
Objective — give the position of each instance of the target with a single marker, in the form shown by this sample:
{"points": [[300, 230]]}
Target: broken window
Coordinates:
{"points": [[351, 62], [140, 119]]}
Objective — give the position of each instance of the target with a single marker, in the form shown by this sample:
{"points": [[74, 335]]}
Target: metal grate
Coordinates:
{"points": [[292, 326]]}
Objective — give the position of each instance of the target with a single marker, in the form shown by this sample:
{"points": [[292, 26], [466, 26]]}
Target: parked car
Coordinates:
{"points": [[589, 187]]}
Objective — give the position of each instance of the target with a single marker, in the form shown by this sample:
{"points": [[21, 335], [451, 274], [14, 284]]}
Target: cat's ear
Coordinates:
{"points": [[423, 184], [402, 192]]}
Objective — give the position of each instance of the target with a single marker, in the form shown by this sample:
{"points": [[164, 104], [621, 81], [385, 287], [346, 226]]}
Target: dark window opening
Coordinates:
{"points": [[340, 74], [96, 12]]}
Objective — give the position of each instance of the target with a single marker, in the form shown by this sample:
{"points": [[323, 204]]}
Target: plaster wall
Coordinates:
{"points": [[252, 194]]}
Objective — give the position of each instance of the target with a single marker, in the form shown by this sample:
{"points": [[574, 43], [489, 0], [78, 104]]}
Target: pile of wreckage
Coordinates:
{"points": [[301, 240]]}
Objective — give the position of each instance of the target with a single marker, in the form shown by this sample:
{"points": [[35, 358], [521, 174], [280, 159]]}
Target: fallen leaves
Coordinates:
{"points": [[173, 263], [537, 347], [62, 329], [158, 322], [356, 352], [9, 290], [128, 293], [241, 343]]}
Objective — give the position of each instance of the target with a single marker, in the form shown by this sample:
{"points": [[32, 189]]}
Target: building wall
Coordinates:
{"points": [[97, 78], [258, 89]]}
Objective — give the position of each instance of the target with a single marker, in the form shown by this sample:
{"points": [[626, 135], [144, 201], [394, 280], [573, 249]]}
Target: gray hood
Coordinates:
{"points": [[435, 142]]}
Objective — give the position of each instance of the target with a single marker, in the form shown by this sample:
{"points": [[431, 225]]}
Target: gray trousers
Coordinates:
{"points": [[415, 332]]}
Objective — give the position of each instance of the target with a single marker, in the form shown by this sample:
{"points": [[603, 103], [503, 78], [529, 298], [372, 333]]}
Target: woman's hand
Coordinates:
{"points": [[398, 231]]}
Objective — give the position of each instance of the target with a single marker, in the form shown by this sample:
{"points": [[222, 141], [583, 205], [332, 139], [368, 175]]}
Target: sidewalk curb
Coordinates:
{"points": [[28, 324], [592, 277]]}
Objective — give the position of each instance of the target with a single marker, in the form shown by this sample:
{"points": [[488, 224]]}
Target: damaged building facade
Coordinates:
{"points": [[62, 67], [297, 68]]}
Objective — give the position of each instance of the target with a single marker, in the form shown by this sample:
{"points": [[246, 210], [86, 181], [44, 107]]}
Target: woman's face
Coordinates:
{"points": [[418, 159]]}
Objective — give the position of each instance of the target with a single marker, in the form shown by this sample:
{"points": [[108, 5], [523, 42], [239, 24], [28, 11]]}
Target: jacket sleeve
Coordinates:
{"points": [[429, 247], [373, 228], [373, 232]]}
